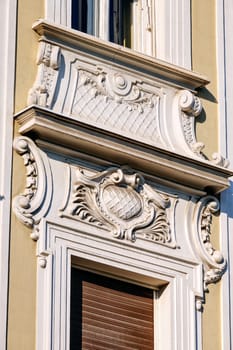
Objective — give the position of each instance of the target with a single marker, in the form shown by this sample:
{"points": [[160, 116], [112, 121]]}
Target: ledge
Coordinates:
{"points": [[179, 172], [77, 41]]}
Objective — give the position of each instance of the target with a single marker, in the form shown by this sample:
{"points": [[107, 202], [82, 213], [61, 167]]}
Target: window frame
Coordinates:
{"points": [[177, 280], [172, 27]]}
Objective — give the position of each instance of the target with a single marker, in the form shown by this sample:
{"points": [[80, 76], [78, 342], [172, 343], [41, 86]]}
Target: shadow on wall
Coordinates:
{"points": [[227, 201], [205, 94]]}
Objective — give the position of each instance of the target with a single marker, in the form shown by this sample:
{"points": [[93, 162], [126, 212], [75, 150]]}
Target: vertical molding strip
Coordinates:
{"points": [[224, 18], [173, 32], [8, 11]]}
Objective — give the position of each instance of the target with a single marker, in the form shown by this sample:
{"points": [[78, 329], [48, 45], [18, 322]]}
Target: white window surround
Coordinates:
{"points": [[172, 27], [141, 19], [172, 315], [7, 72], [70, 231]]}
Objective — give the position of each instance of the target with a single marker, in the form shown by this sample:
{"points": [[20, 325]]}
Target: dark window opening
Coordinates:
{"points": [[86, 18], [83, 16], [120, 22]]}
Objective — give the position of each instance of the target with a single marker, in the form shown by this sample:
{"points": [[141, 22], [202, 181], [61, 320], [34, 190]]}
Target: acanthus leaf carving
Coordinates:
{"points": [[119, 201], [159, 231], [82, 207], [38, 187], [21, 203], [43, 89], [215, 271], [213, 260]]}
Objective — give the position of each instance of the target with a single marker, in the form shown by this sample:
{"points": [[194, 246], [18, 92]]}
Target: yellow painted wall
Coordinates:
{"points": [[22, 279], [28, 12], [204, 61]]}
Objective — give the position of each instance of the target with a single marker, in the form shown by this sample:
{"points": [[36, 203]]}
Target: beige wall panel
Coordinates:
{"points": [[22, 281], [204, 61], [27, 43], [211, 319], [22, 289]]}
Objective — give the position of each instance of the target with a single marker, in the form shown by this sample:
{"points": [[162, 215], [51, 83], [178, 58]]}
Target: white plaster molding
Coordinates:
{"points": [[191, 107], [173, 31], [83, 204], [34, 202], [184, 78], [138, 266], [8, 11], [119, 200], [58, 11], [87, 80], [193, 176], [48, 62], [200, 220]]}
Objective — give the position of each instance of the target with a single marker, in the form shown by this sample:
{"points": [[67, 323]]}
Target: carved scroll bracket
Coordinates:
{"points": [[38, 189], [48, 62], [120, 201], [213, 261], [191, 107]]}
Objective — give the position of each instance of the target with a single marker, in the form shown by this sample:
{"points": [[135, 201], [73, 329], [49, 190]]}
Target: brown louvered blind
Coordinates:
{"points": [[109, 314]]}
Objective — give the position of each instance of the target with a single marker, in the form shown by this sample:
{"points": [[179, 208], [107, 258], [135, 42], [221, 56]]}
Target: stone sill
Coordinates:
{"points": [[77, 41]]}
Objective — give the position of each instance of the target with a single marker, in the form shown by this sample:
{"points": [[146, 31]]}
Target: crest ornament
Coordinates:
{"points": [[120, 201]]}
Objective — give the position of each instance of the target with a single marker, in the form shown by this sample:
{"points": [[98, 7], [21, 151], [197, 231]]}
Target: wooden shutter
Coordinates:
{"points": [[109, 314]]}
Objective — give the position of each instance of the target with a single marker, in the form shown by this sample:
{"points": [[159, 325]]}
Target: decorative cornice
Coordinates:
{"points": [[120, 201], [75, 40], [191, 175]]}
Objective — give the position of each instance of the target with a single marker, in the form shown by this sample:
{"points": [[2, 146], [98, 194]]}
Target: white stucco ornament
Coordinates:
{"points": [[120, 201]]}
